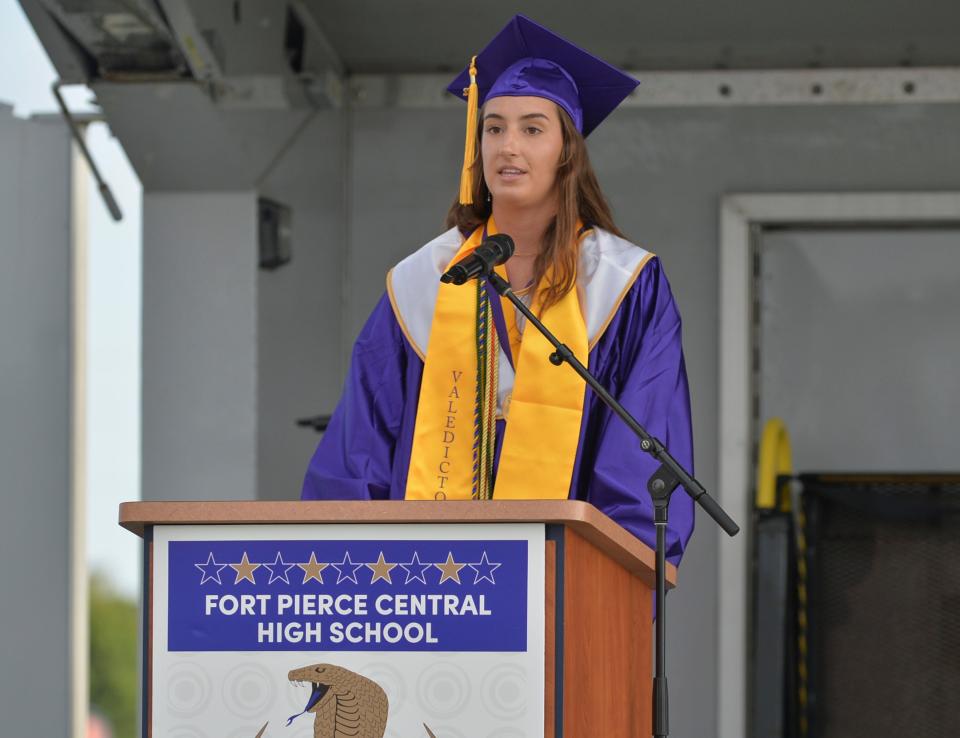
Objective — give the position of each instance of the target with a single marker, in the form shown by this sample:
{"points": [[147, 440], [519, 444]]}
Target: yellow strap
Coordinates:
{"points": [[546, 408], [775, 460]]}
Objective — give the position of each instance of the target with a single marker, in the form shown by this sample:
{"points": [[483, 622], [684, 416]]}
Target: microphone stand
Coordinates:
{"points": [[660, 486]]}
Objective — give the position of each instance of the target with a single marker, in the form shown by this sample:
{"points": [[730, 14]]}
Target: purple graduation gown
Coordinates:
{"points": [[365, 452]]}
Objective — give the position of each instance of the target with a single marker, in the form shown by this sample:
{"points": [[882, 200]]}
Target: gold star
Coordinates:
{"points": [[381, 570], [312, 569], [244, 570], [450, 569]]}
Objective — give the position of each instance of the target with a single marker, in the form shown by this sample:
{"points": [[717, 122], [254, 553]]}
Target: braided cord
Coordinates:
{"points": [[478, 440], [492, 379], [485, 406]]}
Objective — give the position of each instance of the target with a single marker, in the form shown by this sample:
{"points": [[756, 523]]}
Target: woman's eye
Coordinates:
{"points": [[493, 129], [533, 130]]}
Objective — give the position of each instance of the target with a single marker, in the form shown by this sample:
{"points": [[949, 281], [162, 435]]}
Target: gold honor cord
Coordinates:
{"points": [[485, 412]]}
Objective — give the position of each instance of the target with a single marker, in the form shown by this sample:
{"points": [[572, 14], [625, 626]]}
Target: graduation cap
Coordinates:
{"points": [[526, 59]]}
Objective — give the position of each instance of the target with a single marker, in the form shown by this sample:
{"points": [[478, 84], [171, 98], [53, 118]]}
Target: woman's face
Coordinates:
{"points": [[521, 145]]}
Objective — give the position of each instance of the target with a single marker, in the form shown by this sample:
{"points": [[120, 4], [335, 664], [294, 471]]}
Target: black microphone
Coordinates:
{"points": [[493, 251]]}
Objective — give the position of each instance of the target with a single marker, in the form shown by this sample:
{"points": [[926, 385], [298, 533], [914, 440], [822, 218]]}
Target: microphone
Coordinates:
{"points": [[493, 251]]}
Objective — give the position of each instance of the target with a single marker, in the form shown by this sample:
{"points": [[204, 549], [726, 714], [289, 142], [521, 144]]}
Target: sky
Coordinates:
{"points": [[113, 309]]}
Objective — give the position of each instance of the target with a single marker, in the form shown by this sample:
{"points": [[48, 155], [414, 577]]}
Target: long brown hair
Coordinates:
{"points": [[579, 197]]}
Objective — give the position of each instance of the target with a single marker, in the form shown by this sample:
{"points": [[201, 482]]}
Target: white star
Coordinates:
{"points": [[415, 570], [205, 568], [484, 569], [274, 568], [343, 575]]}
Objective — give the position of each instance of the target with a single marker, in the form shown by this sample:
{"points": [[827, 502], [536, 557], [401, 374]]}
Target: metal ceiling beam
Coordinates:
{"points": [[707, 88]]}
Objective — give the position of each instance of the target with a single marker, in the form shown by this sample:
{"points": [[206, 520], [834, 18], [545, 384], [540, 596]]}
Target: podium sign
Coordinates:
{"points": [[369, 630], [453, 619]]}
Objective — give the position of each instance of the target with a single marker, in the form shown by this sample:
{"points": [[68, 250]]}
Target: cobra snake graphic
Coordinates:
{"points": [[344, 703]]}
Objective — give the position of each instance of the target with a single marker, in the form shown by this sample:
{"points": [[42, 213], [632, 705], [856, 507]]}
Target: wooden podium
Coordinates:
{"points": [[597, 594]]}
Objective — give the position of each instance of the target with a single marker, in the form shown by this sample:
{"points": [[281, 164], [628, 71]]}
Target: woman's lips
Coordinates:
{"points": [[511, 173]]}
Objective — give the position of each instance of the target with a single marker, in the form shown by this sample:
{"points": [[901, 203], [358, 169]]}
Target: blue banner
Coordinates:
{"points": [[394, 595]]}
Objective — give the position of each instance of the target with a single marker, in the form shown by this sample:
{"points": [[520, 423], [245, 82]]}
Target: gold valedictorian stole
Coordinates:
{"points": [[452, 454]]}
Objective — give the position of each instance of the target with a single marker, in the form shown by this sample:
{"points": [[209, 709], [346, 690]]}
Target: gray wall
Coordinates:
{"points": [[300, 307], [885, 301], [199, 346], [35, 330], [232, 355], [404, 174]]}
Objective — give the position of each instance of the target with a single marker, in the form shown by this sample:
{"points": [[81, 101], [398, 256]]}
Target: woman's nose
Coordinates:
{"points": [[508, 143]]}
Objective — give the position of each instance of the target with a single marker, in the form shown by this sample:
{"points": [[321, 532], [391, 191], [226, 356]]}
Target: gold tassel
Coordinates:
{"points": [[470, 144]]}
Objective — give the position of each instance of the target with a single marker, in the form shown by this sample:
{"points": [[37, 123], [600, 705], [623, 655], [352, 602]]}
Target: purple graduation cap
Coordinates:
{"points": [[525, 59]]}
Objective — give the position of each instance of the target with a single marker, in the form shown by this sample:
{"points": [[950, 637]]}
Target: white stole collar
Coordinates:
{"points": [[609, 266]]}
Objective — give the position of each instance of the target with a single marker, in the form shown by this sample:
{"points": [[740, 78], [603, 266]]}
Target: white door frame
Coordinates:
{"points": [[739, 215]]}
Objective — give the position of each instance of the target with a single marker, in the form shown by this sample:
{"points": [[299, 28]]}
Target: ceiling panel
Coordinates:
{"points": [[432, 36]]}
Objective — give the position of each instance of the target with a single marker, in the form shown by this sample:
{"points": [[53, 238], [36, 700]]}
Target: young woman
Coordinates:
{"points": [[448, 396]]}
